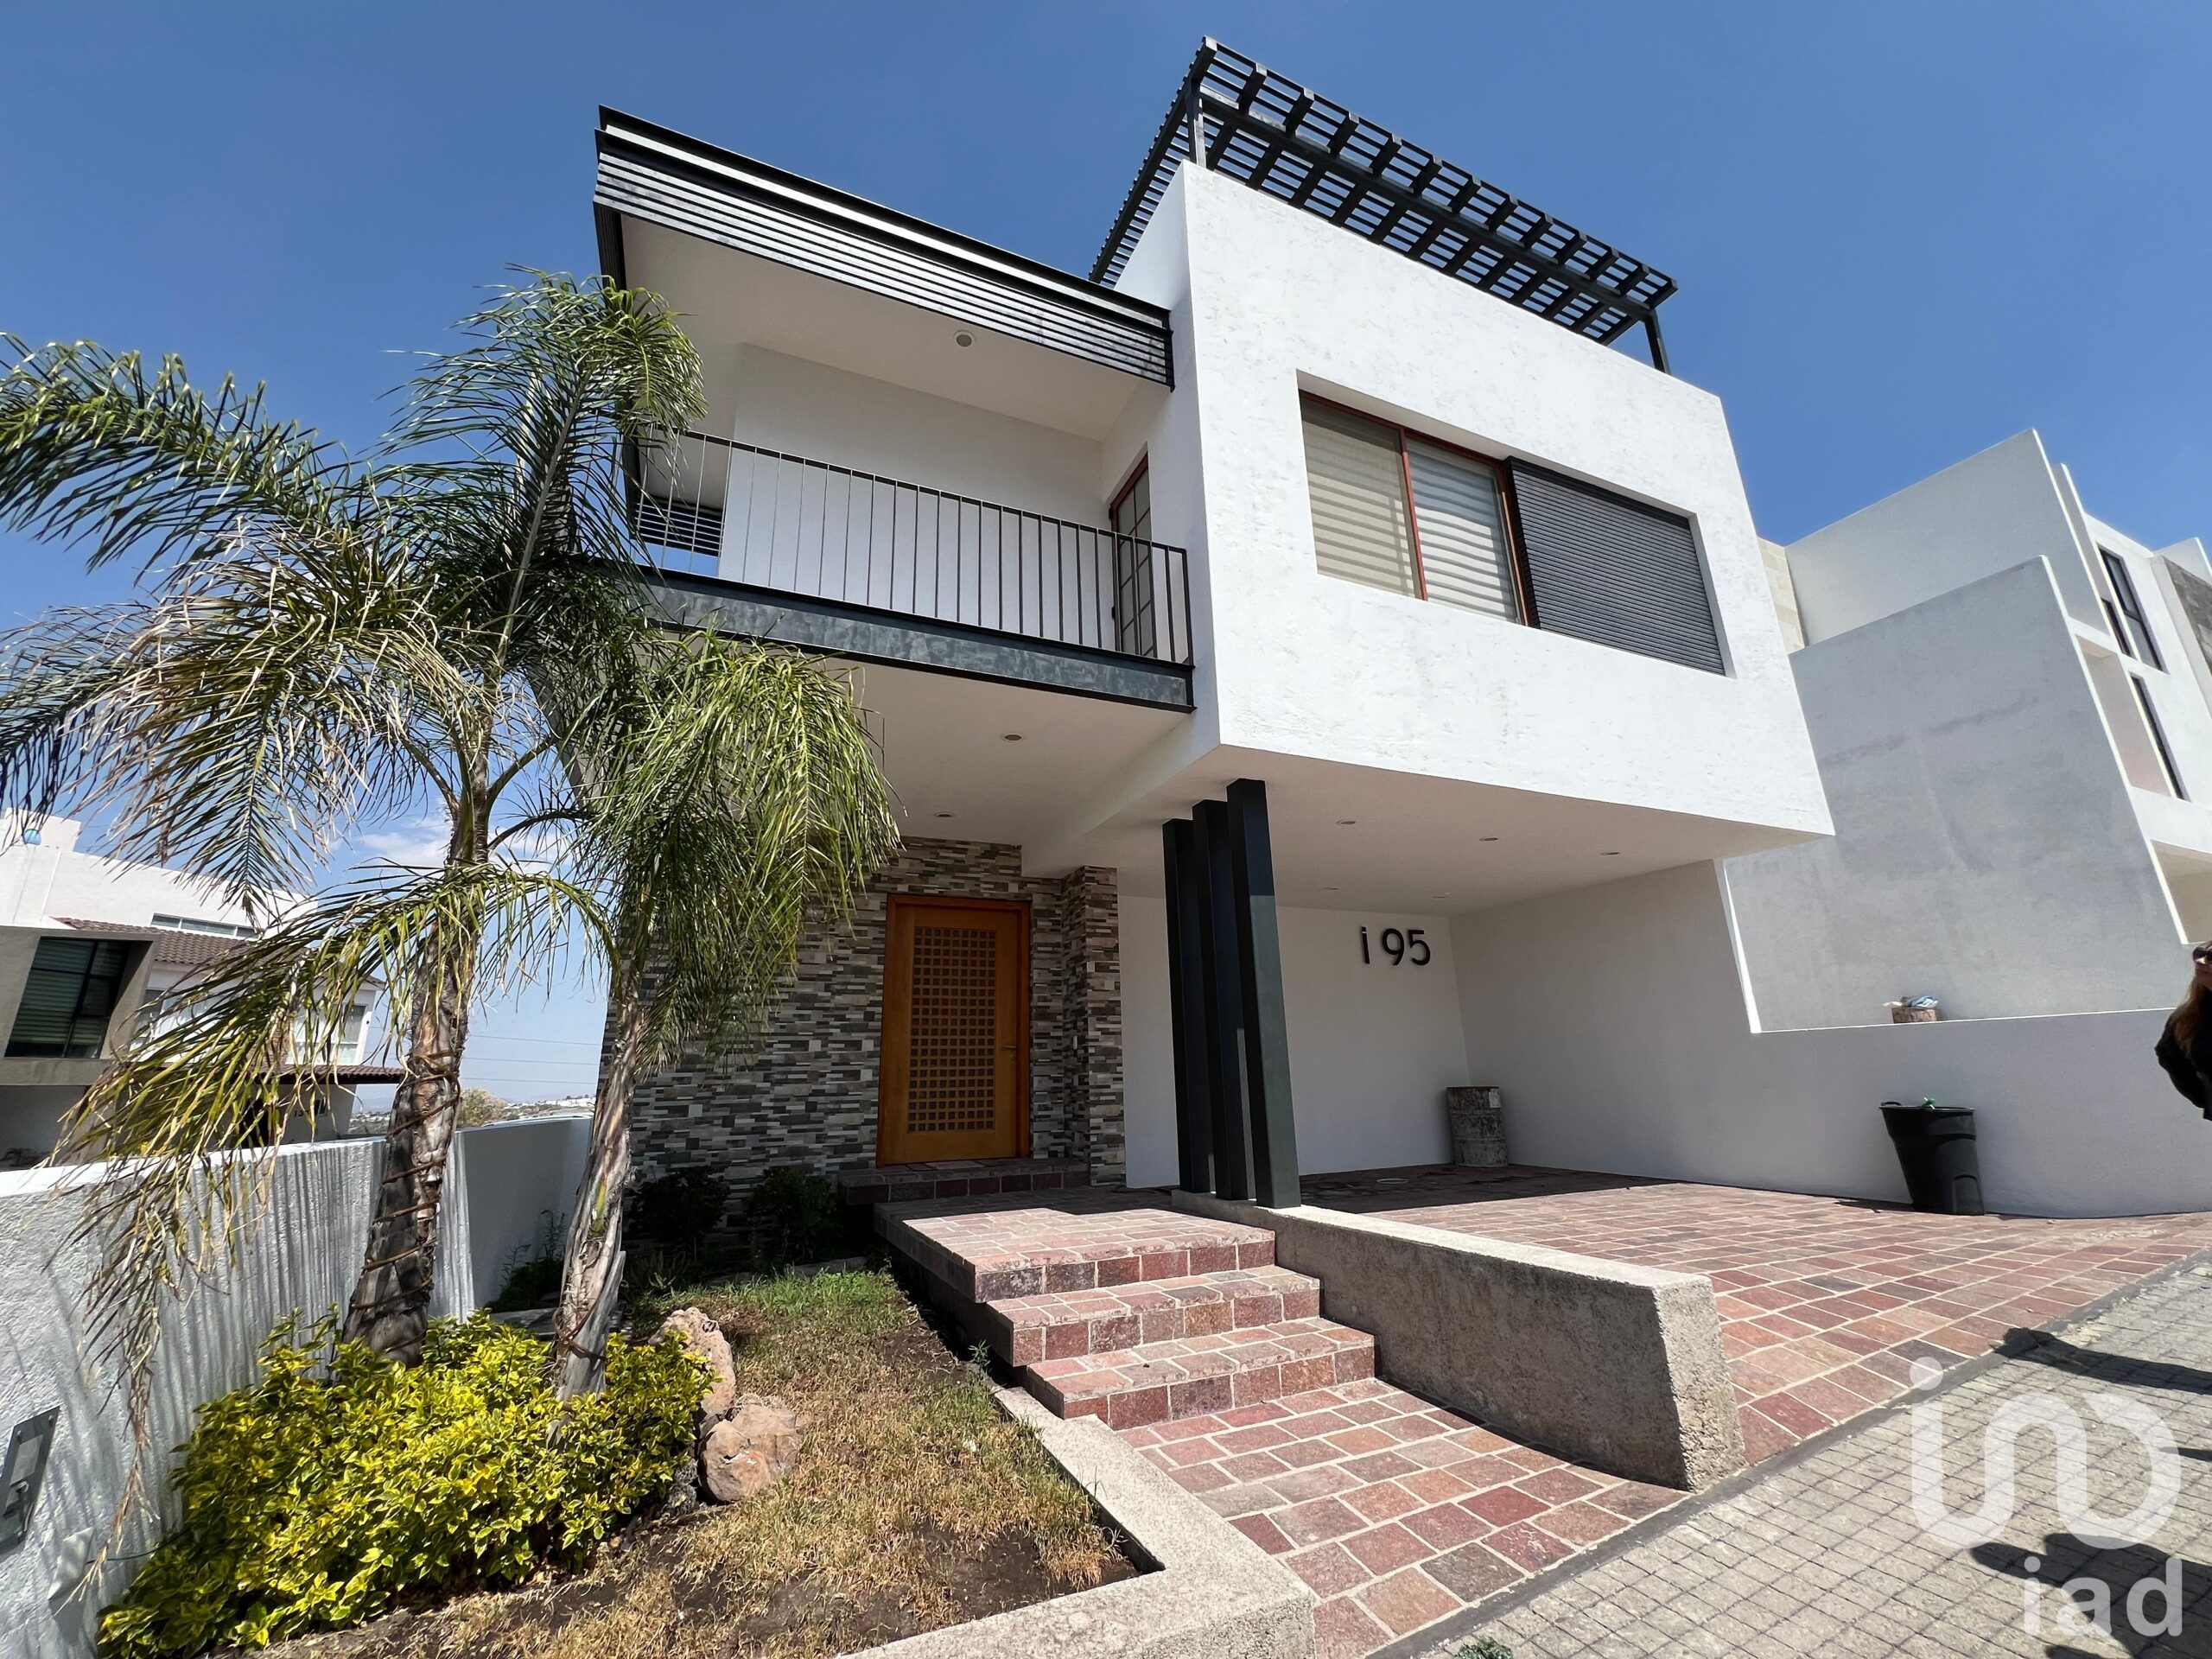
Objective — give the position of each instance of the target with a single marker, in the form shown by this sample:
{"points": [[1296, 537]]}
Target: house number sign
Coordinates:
{"points": [[1400, 944]]}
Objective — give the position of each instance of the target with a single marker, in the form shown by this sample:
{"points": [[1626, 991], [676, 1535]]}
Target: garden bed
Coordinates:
{"points": [[916, 1504]]}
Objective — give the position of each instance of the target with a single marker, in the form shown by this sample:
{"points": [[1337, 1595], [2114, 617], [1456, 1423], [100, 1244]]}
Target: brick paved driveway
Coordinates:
{"points": [[1821, 1554], [1825, 1303]]}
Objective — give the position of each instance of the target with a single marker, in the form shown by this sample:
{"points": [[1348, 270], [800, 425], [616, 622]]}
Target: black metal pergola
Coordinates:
{"points": [[1240, 118]]}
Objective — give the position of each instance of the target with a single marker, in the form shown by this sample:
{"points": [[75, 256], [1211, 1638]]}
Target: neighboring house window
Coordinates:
{"points": [[2158, 736], [1402, 512], [2132, 626], [1135, 627], [197, 925], [70, 994]]}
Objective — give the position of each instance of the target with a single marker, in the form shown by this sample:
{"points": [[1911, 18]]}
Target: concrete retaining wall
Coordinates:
{"points": [[1213, 1594], [1614, 1365]]}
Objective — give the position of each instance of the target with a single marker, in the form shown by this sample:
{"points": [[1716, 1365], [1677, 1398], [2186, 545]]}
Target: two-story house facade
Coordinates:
{"points": [[1322, 570]]}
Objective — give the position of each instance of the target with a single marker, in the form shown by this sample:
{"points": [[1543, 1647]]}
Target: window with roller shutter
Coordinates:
{"points": [[1397, 511]]}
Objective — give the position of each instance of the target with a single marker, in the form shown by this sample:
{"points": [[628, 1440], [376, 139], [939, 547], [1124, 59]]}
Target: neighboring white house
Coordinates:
{"points": [[90, 946], [2011, 703], [1291, 643]]}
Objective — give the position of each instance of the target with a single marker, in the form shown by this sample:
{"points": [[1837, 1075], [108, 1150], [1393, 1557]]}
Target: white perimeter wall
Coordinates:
{"points": [[1372, 1046], [1986, 851], [1308, 665], [302, 1257], [521, 1179], [1614, 1019]]}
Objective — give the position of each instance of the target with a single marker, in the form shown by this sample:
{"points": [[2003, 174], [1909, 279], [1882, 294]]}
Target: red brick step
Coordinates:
{"points": [[1059, 1324], [1156, 1381], [992, 1255]]}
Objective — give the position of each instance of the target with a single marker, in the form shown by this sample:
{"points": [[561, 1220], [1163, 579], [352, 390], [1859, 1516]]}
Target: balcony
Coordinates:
{"points": [[769, 545]]}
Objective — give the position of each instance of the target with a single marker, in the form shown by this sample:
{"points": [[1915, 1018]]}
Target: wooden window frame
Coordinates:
{"points": [[1508, 512]]}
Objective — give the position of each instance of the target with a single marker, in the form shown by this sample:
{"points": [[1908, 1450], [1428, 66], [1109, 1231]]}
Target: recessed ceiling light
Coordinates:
{"points": [[963, 338], [1009, 737], [1332, 889], [1609, 854], [1345, 821], [1489, 837], [944, 815], [1434, 897]]}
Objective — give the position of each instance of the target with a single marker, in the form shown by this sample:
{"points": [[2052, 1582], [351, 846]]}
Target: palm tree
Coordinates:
{"points": [[730, 800], [320, 643]]}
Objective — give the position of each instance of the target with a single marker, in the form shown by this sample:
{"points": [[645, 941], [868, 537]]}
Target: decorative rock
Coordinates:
{"points": [[705, 1340], [750, 1452]]}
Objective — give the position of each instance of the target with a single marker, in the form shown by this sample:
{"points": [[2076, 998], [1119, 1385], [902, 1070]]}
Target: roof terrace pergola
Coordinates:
{"points": [[1244, 120]]}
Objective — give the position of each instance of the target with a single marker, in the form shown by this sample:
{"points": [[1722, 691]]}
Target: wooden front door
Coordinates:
{"points": [[956, 1031]]}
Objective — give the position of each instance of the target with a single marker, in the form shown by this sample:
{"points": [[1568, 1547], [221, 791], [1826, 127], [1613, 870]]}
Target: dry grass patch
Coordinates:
{"points": [[916, 1504]]}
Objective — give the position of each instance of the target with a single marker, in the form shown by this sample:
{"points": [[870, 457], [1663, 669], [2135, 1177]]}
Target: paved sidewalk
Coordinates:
{"points": [[1819, 1551]]}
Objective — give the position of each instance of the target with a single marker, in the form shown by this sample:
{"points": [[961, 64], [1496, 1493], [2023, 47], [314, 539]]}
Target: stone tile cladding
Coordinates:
{"points": [[805, 1094]]}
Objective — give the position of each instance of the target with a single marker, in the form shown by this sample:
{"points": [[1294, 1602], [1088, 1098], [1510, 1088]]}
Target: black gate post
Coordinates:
{"points": [[1221, 963], [1186, 1001], [1267, 1040]]}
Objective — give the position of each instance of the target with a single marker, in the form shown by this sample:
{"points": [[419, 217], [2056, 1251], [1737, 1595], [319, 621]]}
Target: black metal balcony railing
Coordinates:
{"points": [[796, 525]]}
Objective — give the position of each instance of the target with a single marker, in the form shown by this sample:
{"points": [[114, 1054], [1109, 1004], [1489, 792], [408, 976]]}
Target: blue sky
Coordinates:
{"points": [[1903, 230]]}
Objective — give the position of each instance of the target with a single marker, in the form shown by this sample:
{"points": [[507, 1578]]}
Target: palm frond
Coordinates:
{"points": [[98, 450]]}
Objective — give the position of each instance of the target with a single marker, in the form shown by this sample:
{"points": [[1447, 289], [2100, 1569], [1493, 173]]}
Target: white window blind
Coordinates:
{"points": [[1361, 529], [1464, 559]]}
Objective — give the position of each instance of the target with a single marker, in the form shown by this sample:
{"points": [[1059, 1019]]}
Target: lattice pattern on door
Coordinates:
{"points": [[953, 1047]]}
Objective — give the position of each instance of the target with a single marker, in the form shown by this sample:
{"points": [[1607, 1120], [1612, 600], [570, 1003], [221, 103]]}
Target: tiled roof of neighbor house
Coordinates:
{"points": [[352, 1074], [173, 946]]}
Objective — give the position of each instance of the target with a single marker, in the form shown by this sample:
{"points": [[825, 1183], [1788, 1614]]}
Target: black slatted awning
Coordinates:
{"points": [[1269, 131]]}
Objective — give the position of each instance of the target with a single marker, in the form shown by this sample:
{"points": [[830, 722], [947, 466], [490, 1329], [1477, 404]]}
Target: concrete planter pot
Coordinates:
{"points": [[1476, 1115]]}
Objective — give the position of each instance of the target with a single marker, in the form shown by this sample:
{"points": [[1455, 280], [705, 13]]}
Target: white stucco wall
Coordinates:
{"points": [[302, 1256], [807, 408], [1372, 1046], [52, 878], [521, 1179], [1983, 514], [1614, 1019], [1987, 850], [1302, 665]]}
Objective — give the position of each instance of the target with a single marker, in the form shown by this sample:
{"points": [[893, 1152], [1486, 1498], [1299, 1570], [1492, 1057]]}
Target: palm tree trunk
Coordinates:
{"points": [[392, 1300], [591, 1272]]}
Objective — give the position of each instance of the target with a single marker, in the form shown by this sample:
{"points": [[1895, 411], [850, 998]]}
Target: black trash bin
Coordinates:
{"points": [[1936, 1145]]}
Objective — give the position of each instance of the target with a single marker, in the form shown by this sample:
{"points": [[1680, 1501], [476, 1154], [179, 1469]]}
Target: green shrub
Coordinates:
{"points": [[677, 1210], [790, 1217], [321, 1496]]}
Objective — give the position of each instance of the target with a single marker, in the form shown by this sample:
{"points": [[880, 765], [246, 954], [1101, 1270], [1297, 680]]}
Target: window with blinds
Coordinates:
{"points": [[71, 989], [1395, 510], [1406, 515]]}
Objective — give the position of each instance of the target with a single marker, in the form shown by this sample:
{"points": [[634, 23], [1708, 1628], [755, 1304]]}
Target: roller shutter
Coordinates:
{"points": [[1605, 569]]}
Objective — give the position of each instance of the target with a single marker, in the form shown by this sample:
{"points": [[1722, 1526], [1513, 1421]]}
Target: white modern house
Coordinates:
{"points": [[1343, 472], [90, 948], [2009, 699]]}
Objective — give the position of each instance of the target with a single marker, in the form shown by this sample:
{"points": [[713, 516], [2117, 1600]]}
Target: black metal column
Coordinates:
{"points": [[1266, 1039], [1186, 1001], [1220, 965]]}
